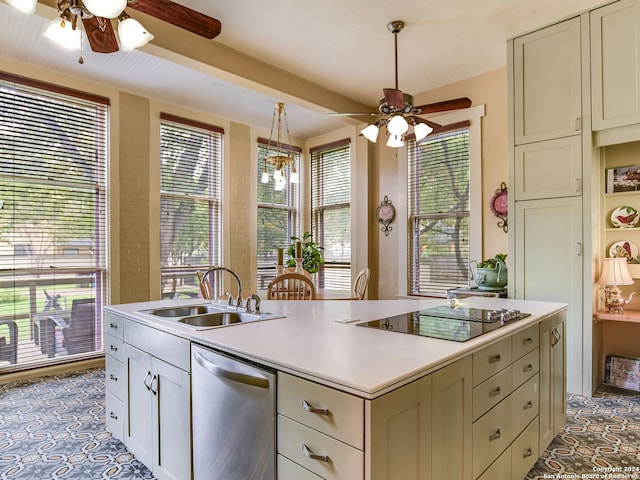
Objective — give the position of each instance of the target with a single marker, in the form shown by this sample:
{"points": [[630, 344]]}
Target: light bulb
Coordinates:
{"points": [[294, 177], [422, 130], [277, 175], [265, 177], [105, 8], [132, 34], [370, 133], [280, 183], [395, 141], [397, 125], [25, 6], [61, 33]]}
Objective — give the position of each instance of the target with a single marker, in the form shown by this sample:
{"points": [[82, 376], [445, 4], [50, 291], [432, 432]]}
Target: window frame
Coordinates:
{"points": [[474, 116]]}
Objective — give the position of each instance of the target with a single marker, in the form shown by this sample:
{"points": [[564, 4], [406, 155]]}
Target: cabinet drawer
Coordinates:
{"points": [[500, 469], [329, 411], [335, 460], [525, 404], [491, 360], [492, 434], [490, 392], [114, 415], [114, 347], [115, 377], [170, 348], [287, 470], [114, 325], [525, 368], [524, 451], [525, 341]]}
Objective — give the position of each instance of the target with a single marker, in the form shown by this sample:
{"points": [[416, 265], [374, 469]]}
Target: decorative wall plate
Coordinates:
{"points": [[624, 217], [624, 249], [385, 213], [500, 206]]}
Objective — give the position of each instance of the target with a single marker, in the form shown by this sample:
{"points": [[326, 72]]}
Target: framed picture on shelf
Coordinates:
{"points": [[623, 179]]}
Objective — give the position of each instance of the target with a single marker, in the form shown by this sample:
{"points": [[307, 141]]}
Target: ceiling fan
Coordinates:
{"points": [[398, 111], [99, 30]]}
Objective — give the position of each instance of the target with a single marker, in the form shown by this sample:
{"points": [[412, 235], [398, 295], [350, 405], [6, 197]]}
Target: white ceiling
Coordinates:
{"points": [[341, 45]]}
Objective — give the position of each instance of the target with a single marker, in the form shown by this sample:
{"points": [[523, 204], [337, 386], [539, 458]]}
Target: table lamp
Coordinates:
{"points": [[615, 272]]}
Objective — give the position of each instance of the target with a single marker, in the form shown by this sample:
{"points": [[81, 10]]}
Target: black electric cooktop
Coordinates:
{"points": [[455, 323]]}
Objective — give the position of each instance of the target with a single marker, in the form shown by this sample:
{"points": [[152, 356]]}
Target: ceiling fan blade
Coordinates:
{"points": [[454, 104], [100, 35], [393, 97], [433, 125], [343, 114], [180, 16]]}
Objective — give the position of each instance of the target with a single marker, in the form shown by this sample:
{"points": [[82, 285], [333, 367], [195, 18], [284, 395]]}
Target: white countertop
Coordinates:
{"points": [[368, 362]]}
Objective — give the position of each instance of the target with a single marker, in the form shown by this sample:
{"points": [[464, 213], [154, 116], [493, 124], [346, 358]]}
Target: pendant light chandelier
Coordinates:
{"points": [[281, 158]]}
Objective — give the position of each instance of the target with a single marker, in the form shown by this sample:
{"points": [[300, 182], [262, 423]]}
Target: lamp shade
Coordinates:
{"points": [[105, 8], [61, 33], [421, 130], [395, 141], [615, 272], [132, 34], [25, 6], [371, 132], [397, 125]]}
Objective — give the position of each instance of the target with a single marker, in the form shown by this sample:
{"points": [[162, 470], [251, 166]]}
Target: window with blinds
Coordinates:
{"points": [[439, 211], [190, 203], [331, 212], [278, 218], [53, 154]]}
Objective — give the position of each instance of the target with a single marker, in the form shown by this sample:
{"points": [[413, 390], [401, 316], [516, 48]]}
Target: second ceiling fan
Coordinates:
{"points": [[397, 109]]}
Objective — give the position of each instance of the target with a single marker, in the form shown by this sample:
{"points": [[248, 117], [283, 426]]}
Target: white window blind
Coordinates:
{"points": [[439, 211], [190, 203], [278, 218], [331, 212], [53, 153]]}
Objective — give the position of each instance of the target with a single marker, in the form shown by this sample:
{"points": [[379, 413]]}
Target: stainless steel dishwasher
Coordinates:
{"points": [[234, 418]]}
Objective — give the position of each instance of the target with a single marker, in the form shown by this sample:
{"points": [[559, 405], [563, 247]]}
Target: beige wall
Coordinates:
{"points": [[134, 255]]}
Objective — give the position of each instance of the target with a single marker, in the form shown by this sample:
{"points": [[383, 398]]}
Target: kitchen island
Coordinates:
{"points": [[400, 406]]}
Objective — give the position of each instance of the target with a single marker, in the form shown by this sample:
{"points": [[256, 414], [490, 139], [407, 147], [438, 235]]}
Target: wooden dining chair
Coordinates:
{"points": [[205, 287], [291, 286], [359, 285]]}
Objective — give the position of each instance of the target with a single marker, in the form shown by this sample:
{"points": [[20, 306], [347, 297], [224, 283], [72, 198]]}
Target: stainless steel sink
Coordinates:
{"points": [[204, 316], [218, 319]]}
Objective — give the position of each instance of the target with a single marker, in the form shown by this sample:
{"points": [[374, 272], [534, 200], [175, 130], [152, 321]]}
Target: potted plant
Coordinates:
{"points": [[311, 253], [490, 274]]}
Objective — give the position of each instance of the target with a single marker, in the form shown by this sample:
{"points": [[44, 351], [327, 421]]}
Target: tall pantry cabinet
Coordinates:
{"points": [[547, 122]]}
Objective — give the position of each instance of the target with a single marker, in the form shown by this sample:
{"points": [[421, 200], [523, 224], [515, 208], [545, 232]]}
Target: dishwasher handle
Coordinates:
{"points": [[218, 371]]}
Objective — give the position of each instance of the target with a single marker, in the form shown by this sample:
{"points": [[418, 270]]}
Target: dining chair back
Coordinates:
{"points": [[360, 284], [205, 287], [291, 286]]}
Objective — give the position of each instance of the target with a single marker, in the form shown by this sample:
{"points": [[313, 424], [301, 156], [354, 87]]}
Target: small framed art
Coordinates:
{"points": [[623, 179]]}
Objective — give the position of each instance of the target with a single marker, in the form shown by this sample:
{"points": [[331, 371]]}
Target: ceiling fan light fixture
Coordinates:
{"points": [[421, 130], [25, 6], [371, 132], [105, 8], [61, 32], [397, 125], [132, 34]]}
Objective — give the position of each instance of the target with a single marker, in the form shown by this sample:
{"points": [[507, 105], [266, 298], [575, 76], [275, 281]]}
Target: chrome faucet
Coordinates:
{"points": [[238, 301]]}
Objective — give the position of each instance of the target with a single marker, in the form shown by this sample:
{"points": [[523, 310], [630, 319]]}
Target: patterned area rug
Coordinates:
{"points": [[601, 439], [53, 428]]}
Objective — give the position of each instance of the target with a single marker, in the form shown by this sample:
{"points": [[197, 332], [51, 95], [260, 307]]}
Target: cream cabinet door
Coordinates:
{"points": [[548, 267], [547, 83], [400, 434], [615, 58], [451, 420], [549, 169]]}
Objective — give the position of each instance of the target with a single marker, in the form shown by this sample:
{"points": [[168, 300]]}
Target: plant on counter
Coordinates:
{"points": [[493, 262], [311, 253]]}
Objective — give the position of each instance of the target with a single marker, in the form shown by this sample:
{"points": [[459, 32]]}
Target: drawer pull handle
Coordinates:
{"points": [[113, 377], [113, 325], [528, 405], [495, 392], [319, 411], [527, 368], [527, 341], [495, 359], [113, 347], [307, 451], [495, 436], [113, 415], [528, 453], [148, 378]]}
